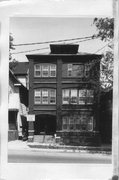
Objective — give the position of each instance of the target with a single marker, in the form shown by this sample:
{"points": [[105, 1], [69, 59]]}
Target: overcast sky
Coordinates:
{"points": [[40, 29]]}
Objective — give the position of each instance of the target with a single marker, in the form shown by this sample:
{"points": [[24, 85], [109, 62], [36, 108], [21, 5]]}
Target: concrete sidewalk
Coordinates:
{"points": [[24, 145]]}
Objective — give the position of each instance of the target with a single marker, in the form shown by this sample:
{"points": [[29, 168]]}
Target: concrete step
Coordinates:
{"points": [[43, 139]]}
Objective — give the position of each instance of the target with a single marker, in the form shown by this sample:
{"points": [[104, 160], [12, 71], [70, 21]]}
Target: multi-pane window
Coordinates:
{"points": [[69, 72], [37, 70], [45, 70], [82, 122], [52, 94], [78, 70], [45, 96], [74, 96], [37, 97], [82, 96], [65, 96], [53, 70]]}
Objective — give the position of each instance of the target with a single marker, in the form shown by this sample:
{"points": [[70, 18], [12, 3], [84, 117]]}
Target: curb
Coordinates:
{"points": [[71, 149]]}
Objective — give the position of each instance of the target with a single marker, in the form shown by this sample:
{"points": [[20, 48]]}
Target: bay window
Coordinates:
{"points": [[74, 96], [82, 122]]}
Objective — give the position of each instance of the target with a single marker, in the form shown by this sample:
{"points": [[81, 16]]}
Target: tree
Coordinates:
{"points": [[105, 27], [11, 45], [105, 31]]}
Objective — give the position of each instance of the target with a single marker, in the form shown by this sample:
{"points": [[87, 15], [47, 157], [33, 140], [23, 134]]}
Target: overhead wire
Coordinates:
{"points": [[47, 42], [48, 47]]}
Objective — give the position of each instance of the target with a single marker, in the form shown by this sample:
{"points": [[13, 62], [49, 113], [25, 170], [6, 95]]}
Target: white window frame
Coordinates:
{"points": [[44, 95], [37, 94], [50, 96], [64, 96], [37, 70], [52, 69], [45, 68], [75, 96]]}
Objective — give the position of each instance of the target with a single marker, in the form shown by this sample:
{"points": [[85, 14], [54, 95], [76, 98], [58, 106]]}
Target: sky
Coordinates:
{"points": [[41, 29]]}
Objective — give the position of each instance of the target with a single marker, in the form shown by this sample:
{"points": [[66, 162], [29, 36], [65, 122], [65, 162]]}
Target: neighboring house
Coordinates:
{"points": [[20, 70], [64, 95], [18, 107]]}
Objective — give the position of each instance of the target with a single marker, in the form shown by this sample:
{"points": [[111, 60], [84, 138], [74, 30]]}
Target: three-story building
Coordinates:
{"points": [[64, 94]]}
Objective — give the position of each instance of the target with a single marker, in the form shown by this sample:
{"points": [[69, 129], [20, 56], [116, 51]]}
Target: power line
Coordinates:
{"points": [[46, 42], [31, 50], [47, 47], [103, 47]]}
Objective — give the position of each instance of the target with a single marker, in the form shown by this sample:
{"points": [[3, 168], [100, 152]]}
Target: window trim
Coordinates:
{"points": [[41, 96], [49, 70]]}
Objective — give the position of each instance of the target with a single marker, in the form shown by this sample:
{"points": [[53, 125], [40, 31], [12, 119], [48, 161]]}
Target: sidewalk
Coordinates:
{"points": [[24, 145]]}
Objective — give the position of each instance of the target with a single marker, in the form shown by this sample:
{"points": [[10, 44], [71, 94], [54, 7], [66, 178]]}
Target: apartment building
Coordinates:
{"points": [[64, 95]]}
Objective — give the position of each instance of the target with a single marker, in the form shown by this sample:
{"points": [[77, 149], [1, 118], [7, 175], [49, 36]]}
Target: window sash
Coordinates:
{"points": [[52, 95], [80, 122], [37, 70], [65, 96], [73, 97], [45, 96], [52, 70], [45, 71]]}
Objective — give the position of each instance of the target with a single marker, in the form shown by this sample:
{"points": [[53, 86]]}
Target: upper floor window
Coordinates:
{"points": [[45, 96], [45, 70], [76, 70], [75, 96]]}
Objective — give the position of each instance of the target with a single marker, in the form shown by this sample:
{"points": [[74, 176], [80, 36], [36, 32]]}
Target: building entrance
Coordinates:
{"points": [[45, 124]]}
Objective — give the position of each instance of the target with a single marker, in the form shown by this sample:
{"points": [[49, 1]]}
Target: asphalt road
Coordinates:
{"points": [[33, 156]]}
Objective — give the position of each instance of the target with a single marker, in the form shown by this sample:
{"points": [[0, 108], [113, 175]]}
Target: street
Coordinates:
{"points": [[45, 156]]}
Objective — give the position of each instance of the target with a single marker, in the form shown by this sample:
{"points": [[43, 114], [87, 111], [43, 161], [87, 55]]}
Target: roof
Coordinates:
{"points": [[19, 68], [80, 56]]}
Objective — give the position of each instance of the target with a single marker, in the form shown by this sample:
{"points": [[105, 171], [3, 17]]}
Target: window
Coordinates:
{"points": [[45, 96], [52, 96], [45, 70], [52, 70], [82, 96], [37, 97], [73, 96], [37, 70], [75, 70], [65, 122], [65, 96], [82, 122], [90, 96], [86, 96], [69, 70], [87, 70]]}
